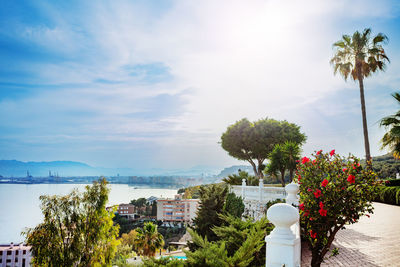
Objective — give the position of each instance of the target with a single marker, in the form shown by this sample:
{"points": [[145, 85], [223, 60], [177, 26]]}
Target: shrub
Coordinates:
{"points": [[392, 182], [388, 195], [334, 191], [234, 205]]}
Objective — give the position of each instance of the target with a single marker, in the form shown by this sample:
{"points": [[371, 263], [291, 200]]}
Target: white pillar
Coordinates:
{"points": [[243, 188], [292, 189], [282, 243], [260, 189]]}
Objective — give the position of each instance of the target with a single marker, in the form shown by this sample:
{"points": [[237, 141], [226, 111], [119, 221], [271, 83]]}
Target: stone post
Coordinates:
{"points": [[260, 189], [282, 243], [292, 189]]}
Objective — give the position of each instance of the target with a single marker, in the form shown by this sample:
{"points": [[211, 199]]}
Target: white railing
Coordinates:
{"points": [[255, 198], [259, 193], [283, 243]]}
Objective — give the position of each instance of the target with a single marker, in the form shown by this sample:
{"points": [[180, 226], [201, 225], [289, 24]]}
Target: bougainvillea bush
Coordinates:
{"points": [[334, 191]]}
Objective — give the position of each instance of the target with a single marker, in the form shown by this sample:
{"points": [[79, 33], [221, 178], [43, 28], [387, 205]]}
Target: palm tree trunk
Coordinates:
{"points": [[364, 116], [291, 174], [283, 177]]}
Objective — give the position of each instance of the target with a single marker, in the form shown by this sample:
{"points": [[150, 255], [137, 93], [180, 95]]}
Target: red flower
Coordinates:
{"points": [[321, 205], [309, 190], [344, 169], [324, 183], [301, 206], [306, 213], [305, 160], [323, 212], [332, 152], [313, 234], [317, 193], [351, 179], [319, 152], [314, 161]]}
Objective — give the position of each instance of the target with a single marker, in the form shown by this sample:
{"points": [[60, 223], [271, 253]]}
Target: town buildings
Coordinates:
{"points": [[177, 209], [11, 255]]}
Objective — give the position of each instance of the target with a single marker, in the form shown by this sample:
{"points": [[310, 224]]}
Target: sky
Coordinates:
{"points": [[154, 84]]}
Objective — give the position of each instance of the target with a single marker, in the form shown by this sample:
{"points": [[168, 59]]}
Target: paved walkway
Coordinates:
{"points": [[372, 241]]}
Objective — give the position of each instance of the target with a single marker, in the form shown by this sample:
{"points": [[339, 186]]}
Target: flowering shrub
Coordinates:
{"points": [[334, 191]]}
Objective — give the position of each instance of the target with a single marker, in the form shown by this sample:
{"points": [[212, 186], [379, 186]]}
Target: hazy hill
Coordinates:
{"points": [[234, 169], [386, 166], [15, 168], [62, 168]]}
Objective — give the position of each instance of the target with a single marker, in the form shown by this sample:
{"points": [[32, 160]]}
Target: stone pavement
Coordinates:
{"points": [[373, 241]]}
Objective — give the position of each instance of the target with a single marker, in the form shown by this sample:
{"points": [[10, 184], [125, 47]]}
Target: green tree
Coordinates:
{"points": [[391, 139], [334, 191], [129, 238], [240, 243], [148, 240], [140, 202], [77, 230], [283, 157], [292, 157], [359, 56], [278, 162], [253, 142], [235, 231], [234, 205], [212, 200]]}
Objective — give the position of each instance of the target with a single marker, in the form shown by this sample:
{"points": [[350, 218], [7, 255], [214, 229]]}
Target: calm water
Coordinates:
{"points": [[20, 205]]}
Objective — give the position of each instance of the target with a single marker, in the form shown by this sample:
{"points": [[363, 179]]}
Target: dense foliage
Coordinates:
{"points": [[254, 141], [334, 191], [212, 200], [391, 139], [359, 56], [240, 243], [164, 261], [234, 205], [388, 195], [77, 230], [385, 166]]}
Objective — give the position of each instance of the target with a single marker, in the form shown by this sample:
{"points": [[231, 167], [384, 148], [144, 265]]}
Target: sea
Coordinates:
{"points": [[20, 205]]}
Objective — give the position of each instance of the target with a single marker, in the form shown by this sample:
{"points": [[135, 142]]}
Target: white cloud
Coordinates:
{"points": [[228, 59]]}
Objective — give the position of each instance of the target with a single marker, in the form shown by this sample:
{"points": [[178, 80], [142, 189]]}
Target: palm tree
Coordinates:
{"points": [[292, 150], [360, 56], [391, 139], [148, 240], [283, 157]]}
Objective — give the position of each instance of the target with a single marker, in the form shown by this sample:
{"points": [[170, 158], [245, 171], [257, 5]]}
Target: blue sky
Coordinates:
{"points": [[154, 84]]}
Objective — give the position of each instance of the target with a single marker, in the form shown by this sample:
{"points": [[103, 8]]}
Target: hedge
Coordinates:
{"points": [[392, 182], [388, 195]]}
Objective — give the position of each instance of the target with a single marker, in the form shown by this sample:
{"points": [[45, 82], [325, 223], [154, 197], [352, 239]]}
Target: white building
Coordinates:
{"points": [[11, 255], [177, 209]]}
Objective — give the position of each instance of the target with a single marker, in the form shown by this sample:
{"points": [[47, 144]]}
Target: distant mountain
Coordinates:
{"points": [[15, 168], [234, 169], [55, 168]]}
